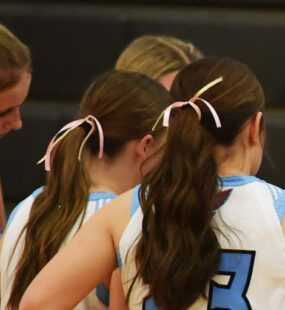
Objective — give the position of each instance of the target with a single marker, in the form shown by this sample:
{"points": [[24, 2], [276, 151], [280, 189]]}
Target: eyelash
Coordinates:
{"points": [[5, 112]]}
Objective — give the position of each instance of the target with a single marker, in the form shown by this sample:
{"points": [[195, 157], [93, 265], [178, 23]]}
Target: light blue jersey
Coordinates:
{"points": [[17, 221], [252, 268]]}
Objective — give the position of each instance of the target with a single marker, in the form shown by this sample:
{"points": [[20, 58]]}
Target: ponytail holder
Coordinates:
{"points": [[166, 113], [92, 121]]}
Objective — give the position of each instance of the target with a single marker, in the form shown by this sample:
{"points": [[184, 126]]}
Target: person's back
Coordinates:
{"points": [[204, 233], [248, 215], [17, 221], [90, 161], [252, 272]]}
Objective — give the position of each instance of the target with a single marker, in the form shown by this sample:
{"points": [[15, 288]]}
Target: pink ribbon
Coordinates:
{"points": [[195, 107], [92, 121], [179, 104], [166, 113]]}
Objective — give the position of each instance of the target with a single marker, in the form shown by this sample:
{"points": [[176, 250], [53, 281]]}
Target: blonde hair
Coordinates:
{"points": [[15, 58], [156, 56]]}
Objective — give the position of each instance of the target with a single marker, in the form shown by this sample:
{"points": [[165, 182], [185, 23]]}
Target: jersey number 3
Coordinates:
{"points": [[237, 266]]}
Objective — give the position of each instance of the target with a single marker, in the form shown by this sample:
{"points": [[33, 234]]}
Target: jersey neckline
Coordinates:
{"points": [[101, 195], [238, 180]]}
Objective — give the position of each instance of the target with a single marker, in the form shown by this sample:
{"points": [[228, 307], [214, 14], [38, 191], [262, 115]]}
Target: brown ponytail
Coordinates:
{"points": [[178, 251], [126, 104]]}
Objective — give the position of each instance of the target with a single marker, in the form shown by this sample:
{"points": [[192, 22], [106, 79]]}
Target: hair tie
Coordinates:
{"points": [[92, 121], [166, 113]]}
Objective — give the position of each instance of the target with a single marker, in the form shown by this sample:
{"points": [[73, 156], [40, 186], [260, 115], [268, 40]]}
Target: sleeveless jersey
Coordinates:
{"points": [[251, 274], [17, 221]]}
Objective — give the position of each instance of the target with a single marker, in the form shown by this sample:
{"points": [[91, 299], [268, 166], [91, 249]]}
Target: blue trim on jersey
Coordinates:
{"points": [[278, 194], [101, 198], [103, 294], [37, 192], [92, 197], [135, 203], [280, 206], [14, 212], [238, 180], [101, 195], [119, 259], [19, 205]]}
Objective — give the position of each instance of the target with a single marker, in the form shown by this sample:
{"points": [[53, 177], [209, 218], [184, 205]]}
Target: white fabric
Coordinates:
{"points": [[249, 220], [11, 235]]}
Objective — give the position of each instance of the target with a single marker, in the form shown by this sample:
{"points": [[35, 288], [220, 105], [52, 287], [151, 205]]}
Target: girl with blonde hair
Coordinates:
{"points": [[159, 57]]}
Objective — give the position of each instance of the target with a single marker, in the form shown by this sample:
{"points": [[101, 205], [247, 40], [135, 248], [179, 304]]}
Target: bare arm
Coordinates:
{"points": [[117, 296], [84, 262]]}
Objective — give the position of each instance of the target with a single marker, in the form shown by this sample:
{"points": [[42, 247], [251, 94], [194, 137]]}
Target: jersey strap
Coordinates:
{"points": [[19, 205], [135, 203]]}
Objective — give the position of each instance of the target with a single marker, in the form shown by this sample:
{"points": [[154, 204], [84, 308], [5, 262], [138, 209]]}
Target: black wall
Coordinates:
{"points": [[71, 44]]}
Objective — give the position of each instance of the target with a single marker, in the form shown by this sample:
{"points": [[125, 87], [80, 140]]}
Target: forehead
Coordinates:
{"points": [[15, 95]]}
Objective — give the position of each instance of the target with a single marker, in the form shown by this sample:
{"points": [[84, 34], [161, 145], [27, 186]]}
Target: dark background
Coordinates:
{"points": [[73, 41]]}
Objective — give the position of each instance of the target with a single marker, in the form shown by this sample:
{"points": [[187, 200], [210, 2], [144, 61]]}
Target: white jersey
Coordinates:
{"points": [[252, 269], [17, 221]]}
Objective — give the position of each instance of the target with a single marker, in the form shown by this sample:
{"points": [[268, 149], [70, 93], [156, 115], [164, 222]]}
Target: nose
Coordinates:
{"points": [[14, 121]]}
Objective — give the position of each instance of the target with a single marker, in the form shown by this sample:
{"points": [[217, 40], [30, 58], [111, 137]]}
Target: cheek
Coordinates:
{"points": [[3, 129], [167, 79]]}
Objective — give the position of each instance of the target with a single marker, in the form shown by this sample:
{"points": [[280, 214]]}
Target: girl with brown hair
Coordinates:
{"points": [[15, 79], [201, 231], [90, 161], [160, 57]]}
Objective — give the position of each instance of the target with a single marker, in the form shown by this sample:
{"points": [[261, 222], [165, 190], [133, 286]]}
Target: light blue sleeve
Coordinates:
{"points": [[14, 212], [280, 205]]}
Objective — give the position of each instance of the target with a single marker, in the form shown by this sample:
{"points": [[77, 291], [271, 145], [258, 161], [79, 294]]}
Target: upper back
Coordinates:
{"points": [[16, 223], [252, 270]]}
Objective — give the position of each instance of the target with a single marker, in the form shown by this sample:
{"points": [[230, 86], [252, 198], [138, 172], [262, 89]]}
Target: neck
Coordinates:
{"points": [[233, 160], [112, 175]]}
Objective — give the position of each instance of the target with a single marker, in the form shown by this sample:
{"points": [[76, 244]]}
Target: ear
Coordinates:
{"points": [[143, 146], [254, 133]]}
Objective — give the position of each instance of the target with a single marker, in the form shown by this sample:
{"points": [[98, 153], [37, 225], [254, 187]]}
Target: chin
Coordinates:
{"points": [[3, 134]]}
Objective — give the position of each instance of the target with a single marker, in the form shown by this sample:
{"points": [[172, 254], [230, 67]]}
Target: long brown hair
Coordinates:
{"points": [[126, 104], [178, 251], [15, 58], [157, 55]]}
